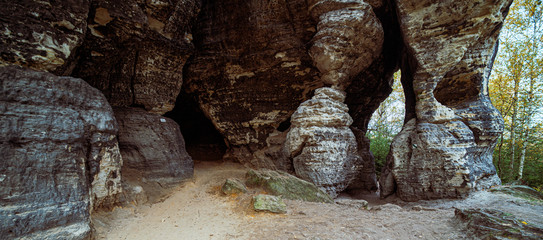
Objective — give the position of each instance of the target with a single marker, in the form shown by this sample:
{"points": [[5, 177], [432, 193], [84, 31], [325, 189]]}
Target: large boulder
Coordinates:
{"points": [[445, 148], [280, 183], [42, 35], [135, 53], [321, 144], [152, 147], [60, 157], [269, 203]]}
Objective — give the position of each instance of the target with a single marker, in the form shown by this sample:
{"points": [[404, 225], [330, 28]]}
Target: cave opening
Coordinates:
{"points": [[386, 122], [203, 141], [458, 87], [284, 126]]}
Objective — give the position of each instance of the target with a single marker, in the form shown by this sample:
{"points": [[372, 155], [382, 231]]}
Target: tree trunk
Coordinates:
{"points": [[499, 163], [512, 164], [522, 158], [513, 126]]}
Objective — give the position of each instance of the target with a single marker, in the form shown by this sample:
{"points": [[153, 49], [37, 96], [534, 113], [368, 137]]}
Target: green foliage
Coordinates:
{"points": [[380, 146], [533, 169], [516, 89]]}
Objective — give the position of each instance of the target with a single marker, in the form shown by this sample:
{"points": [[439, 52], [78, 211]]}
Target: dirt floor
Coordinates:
{"points": [[197, 210]]}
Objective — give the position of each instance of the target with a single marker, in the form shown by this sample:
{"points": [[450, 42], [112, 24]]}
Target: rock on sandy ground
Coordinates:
{"points": [[197, 210]]}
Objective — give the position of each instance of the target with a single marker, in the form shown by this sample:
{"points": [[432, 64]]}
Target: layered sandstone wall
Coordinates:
{"points": [[288, 85]]}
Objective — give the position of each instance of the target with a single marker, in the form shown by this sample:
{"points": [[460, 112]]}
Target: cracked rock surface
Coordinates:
{"points": [[60, 157], [42, 35], [134, 53], [321, 144]]}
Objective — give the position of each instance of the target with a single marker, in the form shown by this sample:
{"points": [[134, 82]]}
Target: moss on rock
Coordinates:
{"points": [[269, 203], [283, 184], [233, 186]]}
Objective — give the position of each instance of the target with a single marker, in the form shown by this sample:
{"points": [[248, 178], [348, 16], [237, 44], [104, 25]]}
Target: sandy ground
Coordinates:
{"points": [[197, 210]]}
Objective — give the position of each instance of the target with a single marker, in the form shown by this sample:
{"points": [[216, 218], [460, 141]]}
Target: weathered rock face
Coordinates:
{"points": [[42, 34], [349, 37], [253, 64], [251, 69], [152, 147], [348, 40], [227, 66], [365, 179], [135, 53], [60, 155], [511, 212], [321, 144], [445, 149], [495, 224]]}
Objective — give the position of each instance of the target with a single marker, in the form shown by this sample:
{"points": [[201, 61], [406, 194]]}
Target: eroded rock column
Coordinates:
{"points": [[323, 147], [445, 149], [321, 144], [349, 37]]}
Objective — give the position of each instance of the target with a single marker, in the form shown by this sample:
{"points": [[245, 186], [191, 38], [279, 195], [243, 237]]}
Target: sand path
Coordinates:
{"points": [[196, 210]]}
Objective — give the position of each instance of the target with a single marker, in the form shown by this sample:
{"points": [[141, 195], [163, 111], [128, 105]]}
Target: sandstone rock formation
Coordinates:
{"points": [[364, 179], [152, 147], [349, 37], [135, 53], [321, 144], [324, 149], [42, 35], [60, 157], [251, 69], [445, 148], [301, 76]]}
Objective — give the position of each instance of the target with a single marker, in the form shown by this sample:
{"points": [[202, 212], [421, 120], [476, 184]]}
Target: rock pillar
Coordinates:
{"points": [[445, 149], [323, 147]]}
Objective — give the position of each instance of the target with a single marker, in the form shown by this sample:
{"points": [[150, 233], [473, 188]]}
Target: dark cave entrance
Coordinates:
{"points": [[202, 140]]}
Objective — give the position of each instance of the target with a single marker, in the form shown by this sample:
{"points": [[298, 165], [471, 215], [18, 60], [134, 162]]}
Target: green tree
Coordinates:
{"points": [[516, 88]]}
